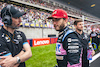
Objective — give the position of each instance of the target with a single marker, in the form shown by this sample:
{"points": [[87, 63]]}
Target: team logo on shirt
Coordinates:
{"points": [[7, 38], [3, 35], [69, 40], [19, 37], [16, 41], [18, 32], [2, 53]]}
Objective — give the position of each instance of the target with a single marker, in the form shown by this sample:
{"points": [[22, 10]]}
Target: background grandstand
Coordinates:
{"points": [[38, 10], [35, 25]]}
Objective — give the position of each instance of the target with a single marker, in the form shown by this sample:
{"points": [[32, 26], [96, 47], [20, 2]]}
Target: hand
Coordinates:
{"points": [[16, 65], [93, 52], [8, 61]]}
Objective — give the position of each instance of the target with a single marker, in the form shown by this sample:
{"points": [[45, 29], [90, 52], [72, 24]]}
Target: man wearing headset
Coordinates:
{"points": [[14, 48]]}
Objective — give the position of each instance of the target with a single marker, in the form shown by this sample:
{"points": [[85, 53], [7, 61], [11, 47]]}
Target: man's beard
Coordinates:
{"points": [[79, 29], [14, 26], [62, 26]]}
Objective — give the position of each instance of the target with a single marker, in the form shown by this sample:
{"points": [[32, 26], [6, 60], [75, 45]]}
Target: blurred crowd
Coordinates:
{"points": [[37, 18], [95, 38], [53, 6]]}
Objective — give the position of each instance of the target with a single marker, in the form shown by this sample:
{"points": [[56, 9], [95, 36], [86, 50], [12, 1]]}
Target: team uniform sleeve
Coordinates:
{"points": [[4, 51], [73, 48], [24, 38]]}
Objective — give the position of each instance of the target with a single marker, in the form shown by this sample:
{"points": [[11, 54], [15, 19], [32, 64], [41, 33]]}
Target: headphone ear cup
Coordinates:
{"points": [[7, 20]]}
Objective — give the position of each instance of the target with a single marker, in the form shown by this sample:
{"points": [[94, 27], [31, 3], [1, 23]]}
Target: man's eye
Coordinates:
{"points": [[16, 18]]}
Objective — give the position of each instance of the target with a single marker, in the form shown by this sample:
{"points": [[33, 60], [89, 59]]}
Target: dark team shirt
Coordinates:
{"points": [[11, 44], [85, 39], [69, 51]]}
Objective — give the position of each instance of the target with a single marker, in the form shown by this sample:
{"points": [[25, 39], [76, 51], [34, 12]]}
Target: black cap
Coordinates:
{"points": [[12, 11]]}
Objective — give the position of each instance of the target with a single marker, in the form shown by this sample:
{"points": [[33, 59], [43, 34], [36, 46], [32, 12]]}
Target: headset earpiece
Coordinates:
{"points": [[7, 17], [7, 20]]}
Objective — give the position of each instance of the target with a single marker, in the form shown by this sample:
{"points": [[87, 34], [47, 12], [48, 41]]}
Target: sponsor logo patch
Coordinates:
{"points": [[69, 39]]}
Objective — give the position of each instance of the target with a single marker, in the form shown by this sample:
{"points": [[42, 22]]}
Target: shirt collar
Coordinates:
{"points": [[5, 31], [64, 29]]}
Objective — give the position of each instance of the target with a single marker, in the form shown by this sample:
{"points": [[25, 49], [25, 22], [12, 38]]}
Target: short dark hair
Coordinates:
{"points": [[77, 20]]}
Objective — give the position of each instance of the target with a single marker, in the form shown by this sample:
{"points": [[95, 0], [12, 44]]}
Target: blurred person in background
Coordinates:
{"points": [[14, 48], [98, 36], [85, 41], [94, 37], [68, 48]]}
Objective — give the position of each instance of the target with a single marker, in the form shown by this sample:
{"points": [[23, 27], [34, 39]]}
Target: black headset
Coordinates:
{"points": [[7, 18]]}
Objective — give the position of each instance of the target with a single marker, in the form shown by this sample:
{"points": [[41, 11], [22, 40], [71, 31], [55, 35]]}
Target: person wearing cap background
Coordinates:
{"points": [[85, 41], [14, 48], [68, 48]]}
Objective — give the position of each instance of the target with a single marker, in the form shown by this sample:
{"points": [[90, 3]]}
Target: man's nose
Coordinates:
{"points": [[54, 22], [20, 20]]}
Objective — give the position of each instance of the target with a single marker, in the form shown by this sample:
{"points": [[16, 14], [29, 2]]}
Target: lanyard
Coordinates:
{"points": [[10, 38]]}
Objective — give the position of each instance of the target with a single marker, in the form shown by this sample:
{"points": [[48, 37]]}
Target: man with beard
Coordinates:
{"points": [[68, 48], [14, 48], [85, 41]]}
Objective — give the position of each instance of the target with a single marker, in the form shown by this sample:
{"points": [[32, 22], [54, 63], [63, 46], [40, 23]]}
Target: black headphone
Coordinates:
{"points": [[7, 17]]}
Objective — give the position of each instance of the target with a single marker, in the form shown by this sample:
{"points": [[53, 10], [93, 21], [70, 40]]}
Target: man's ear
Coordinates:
{"points": [[66, 20], [75, 26]]}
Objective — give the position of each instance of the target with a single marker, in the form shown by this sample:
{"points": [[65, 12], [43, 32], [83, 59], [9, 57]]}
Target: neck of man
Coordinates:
{"points": [[9, 29], [79, 31], [65, 26]]}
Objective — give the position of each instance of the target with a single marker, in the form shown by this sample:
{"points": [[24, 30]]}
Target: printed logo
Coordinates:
{"points": [[16, 41], [7, 38], [3, 35], [41, 42], [54, 13], [19, 37], [69, 39], [64, 15]]}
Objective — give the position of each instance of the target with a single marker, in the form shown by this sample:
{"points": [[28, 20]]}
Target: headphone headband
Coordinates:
{"points": [[8, 8]]}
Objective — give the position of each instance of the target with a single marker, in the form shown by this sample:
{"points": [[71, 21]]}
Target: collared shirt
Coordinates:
{"points": [[11, 44], [85, 39], [71, 54]]}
